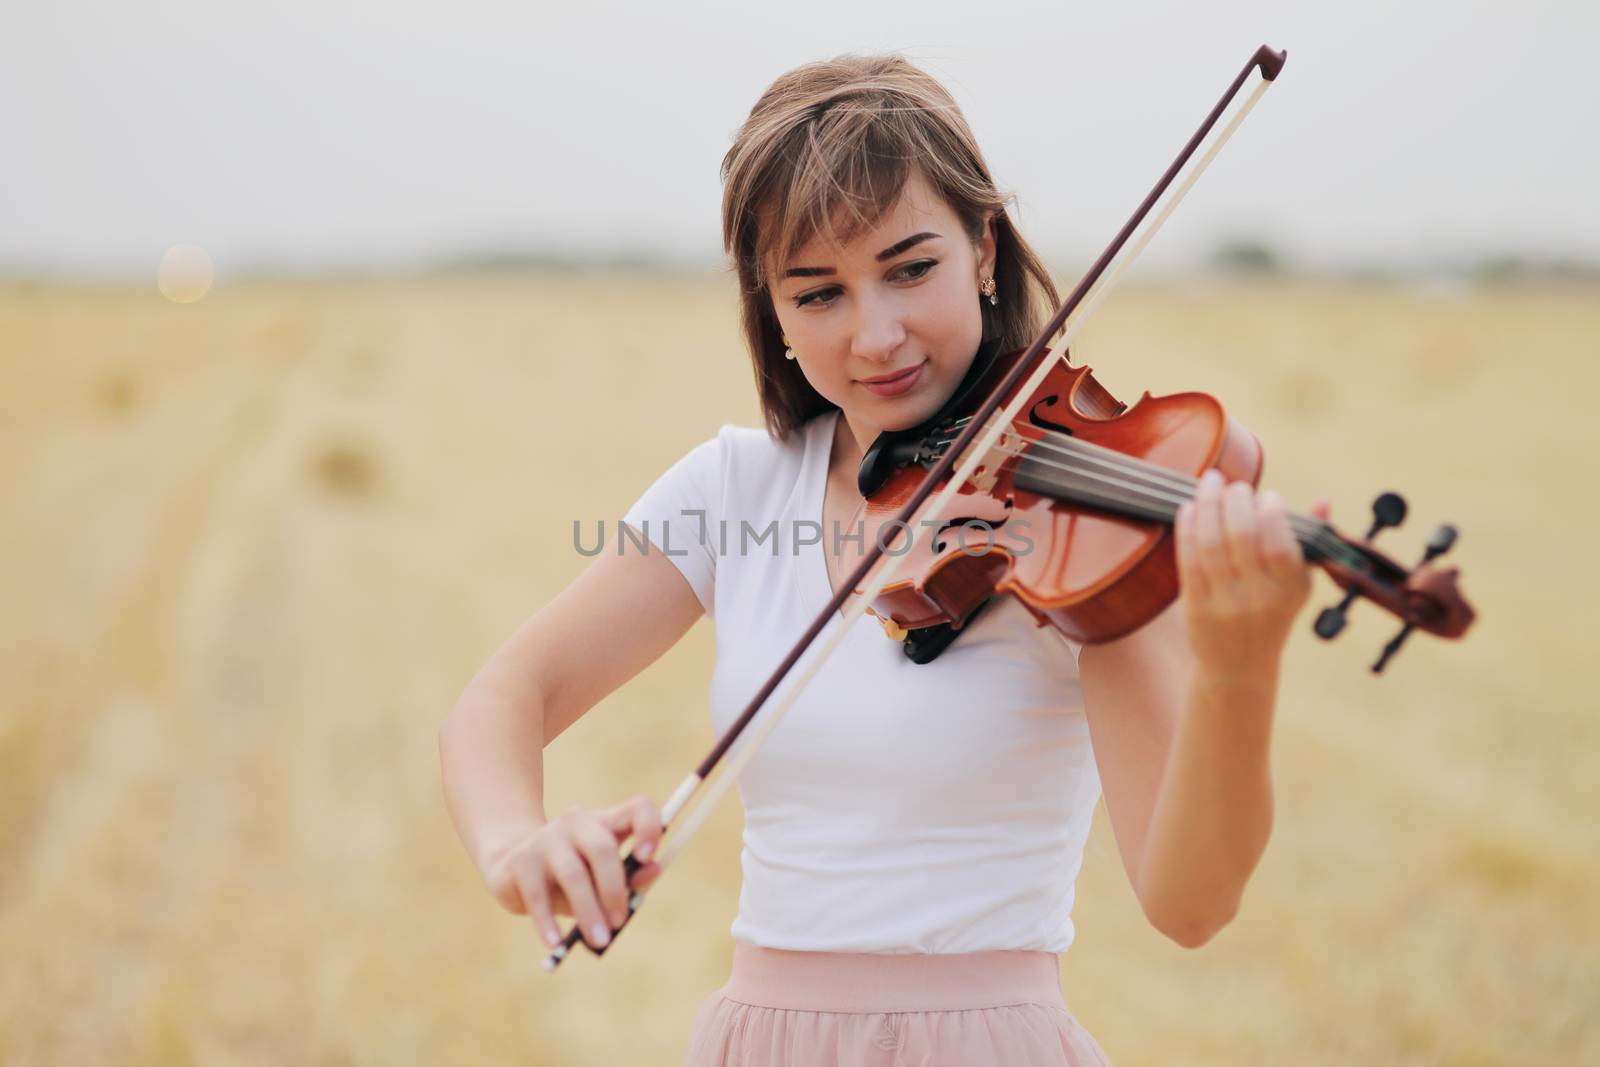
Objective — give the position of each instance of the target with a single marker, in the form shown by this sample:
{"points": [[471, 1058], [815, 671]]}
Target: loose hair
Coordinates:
{"points": [[827, 150]]}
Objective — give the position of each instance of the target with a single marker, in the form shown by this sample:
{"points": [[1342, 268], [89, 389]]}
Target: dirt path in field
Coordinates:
{"points": [[157, 767]]}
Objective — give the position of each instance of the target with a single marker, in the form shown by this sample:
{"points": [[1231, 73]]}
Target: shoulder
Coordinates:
{"points": [[758, 442], [739, 465], [751, 456], [751, 444]]}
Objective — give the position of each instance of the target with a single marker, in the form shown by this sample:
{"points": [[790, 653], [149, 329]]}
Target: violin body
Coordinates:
{"points": [[1092, 574]]}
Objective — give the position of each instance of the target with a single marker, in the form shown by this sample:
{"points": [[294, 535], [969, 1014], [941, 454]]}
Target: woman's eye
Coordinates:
{"points": [[910, 272], [816, 296], [913, 271]]}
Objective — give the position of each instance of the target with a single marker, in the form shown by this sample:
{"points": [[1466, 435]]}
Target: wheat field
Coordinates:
{"points": [[256, 546]]}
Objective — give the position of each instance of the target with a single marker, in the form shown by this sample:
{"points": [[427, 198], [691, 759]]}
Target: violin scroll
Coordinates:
{"points": [[1425, 597]]}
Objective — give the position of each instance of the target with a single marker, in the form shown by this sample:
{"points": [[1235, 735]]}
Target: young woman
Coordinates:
{"points": [[912, 831]]}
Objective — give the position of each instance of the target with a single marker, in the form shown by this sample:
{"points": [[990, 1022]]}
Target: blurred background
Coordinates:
{"points": [[320, 324]]}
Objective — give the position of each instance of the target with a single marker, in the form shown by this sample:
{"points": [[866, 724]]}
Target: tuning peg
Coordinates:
{"points": [[1392, 647], [1331, 620], [1389, 509], [1443, 539], [1441, 542]]}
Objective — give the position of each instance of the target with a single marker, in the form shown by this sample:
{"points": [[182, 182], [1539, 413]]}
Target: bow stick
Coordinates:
{"points": [[984, 428]]}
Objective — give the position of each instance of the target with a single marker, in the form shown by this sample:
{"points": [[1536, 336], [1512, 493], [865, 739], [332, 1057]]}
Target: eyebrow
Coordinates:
{"points": [[888, 253]]}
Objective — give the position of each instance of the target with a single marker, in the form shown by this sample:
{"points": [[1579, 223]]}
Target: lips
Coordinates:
{"points": [[894, 384], [884, 379]]}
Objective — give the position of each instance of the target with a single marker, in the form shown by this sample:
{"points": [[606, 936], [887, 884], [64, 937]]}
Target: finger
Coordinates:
{"points": [[1191, 579], [1239, 528], [1321, 509], [572, 875], [638, 818], [1211, 555], [618, 819], [645, 822], [1277, 545], [530, 880], [599, 850], [645, 876]]}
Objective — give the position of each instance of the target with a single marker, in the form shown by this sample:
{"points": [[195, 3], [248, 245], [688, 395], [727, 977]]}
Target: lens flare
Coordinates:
{"points": [[185, 274]]}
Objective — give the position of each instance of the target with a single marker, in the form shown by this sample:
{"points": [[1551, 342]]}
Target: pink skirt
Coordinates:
{"points": [[869, 1010]]}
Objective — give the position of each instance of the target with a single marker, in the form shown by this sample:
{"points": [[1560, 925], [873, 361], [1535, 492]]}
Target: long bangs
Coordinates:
{"points": [[840, 177]]}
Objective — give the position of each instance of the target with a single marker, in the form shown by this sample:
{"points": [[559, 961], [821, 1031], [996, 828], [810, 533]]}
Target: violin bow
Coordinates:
{"points": [[984, 428]]}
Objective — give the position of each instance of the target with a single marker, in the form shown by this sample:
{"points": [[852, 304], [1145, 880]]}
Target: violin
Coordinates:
{"points": [[1096, 485], [1026, 439]]}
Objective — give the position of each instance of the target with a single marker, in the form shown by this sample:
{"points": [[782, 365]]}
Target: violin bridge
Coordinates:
{"points": [[985, 475]]}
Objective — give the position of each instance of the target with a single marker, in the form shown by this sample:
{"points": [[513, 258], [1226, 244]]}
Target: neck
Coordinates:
{"points": [[850, 443]]}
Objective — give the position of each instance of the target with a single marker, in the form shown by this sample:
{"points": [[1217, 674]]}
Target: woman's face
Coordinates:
{"points": [[898, 300]]}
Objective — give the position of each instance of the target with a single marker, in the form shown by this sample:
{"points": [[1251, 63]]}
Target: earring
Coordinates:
{"points": [[788, 353], [988, 290]]}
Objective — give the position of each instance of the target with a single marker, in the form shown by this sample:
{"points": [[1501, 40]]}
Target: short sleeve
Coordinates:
{"points": [[676, 514], [1073, 647]]}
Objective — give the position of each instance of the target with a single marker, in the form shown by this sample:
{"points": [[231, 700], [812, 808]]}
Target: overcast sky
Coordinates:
{"points": [[339, 133]]}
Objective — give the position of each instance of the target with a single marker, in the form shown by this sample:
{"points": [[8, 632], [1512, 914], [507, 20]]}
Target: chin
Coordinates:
{"points": [[920, 404], [903, 417]]}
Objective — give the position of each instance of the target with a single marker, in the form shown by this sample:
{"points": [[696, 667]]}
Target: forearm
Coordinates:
{"points": [[491, 754], [1213, 810]]}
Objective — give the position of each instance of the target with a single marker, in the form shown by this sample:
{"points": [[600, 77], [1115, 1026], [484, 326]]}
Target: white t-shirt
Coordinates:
{"points": [[898, 807]]}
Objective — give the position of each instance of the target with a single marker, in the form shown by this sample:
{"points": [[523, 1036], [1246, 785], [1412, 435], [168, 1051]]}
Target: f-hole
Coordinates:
{"points": [[952, 524], [1039, 420]]}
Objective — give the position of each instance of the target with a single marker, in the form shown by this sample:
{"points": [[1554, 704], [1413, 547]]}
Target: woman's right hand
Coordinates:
{"points": [[572, 866]]}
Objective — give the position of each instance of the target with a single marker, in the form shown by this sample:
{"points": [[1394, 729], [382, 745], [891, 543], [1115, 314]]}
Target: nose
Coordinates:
{"points": [[878, 331]]}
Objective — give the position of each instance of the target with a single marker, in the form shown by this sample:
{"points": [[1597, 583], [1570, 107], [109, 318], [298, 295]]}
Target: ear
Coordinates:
{"points": [[986, 254]]}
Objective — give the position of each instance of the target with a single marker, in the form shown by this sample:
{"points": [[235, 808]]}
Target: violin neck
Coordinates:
{"points": [[1122, 485]]}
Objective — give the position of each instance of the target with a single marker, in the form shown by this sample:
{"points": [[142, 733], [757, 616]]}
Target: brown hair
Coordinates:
{"points": [[827, 149]]}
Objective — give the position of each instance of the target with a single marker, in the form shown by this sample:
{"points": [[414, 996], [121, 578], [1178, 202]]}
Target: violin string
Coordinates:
{"points": [[1309, 530], [1174, 480], [1160, 476], [1180, 483], [1110, 455]]}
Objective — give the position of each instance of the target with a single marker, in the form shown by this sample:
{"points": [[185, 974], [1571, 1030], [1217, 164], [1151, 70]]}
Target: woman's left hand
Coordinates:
{"points": [[1242, 576]]}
